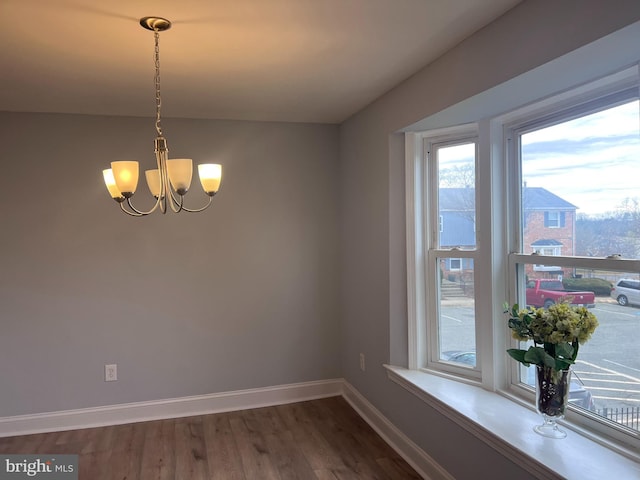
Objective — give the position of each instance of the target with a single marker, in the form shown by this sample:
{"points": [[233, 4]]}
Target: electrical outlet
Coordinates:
{"points": [[110, 373], [362, 362]]}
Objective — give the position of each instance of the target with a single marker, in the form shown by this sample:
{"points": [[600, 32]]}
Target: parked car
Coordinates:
{"points": [[578, 395], [627, 292], [464, 357], [544, 293]]}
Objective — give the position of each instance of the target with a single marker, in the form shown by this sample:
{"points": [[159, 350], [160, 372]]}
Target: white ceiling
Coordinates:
{"points": [[284, 60]]}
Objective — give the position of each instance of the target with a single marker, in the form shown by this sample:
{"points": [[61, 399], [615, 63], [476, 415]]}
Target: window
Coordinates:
{"points": [[554, 219], [629, 284], [446, 213], [569, 213], [558, 155], [455, 264], [452, 160]]}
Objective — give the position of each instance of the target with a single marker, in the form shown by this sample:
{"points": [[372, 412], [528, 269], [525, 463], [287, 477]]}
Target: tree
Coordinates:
{"points": [[617, 232], [462, 176]]}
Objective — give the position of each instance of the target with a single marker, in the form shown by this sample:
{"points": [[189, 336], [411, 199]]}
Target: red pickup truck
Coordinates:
{"points": [[544, 293]]}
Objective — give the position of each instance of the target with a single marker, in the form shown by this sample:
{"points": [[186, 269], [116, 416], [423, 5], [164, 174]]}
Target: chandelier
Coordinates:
{"points": [[171, 180]]}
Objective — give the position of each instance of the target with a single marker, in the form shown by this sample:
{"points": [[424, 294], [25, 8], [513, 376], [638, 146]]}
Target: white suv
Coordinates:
{"points": [[627, 292]]}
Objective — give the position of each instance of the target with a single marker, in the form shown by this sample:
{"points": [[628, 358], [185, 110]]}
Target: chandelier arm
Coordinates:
{"points": [[176, 205], [128, 212], [162, 152], [140, 213], [179, 203], [134, 208], [196, 210]]}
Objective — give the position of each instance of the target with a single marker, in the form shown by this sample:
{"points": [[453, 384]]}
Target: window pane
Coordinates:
{"points": [[580, 185], [606, 376], [456, 195], [456, 312]]}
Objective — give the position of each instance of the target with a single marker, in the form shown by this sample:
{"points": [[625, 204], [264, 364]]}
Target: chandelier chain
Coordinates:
{"points": [[157, 82]]}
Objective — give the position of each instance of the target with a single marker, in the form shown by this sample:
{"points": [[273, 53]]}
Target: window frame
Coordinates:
{"points": [[423, 253], [497, 143], [517, 125]]}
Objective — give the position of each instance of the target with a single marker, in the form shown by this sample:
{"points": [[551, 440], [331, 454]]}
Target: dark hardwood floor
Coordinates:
{"points": [[319, 439]]}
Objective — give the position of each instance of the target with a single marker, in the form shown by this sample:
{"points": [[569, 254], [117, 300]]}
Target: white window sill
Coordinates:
{"points": [[508, 428]]}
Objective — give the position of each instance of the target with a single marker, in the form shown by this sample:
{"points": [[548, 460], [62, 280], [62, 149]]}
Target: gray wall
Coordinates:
{"points": [[243, 295], [373, 288]]}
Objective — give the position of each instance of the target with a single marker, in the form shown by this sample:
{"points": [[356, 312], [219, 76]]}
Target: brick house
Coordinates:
{"points": [[549, 228]]}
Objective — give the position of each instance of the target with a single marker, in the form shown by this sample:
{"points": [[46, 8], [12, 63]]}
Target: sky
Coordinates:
{"points": [[592, 162]]}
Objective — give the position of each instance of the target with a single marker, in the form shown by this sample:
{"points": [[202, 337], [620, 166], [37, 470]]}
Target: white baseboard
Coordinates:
{"points": [[169, 408], [227, 402], [422, 463]]}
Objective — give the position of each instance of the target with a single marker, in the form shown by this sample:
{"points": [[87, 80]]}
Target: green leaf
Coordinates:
{"points": [[576, 346], [518, 355], [538, 356], [515, 324], [562, 364], [565, 350], [550, 348]]}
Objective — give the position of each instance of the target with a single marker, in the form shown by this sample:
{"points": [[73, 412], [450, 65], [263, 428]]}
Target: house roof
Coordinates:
{"points": [[538, 198], [457, 199], [535, 198], [546, 242]]}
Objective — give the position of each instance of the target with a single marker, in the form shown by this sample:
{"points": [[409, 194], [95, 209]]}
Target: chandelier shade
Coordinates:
{"points": [[171, 180], [110, 182], [125, 173], [210, 176], [153, 181]]}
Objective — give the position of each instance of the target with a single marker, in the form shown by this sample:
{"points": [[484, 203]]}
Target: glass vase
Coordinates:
{"points": [[552, 396]]}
